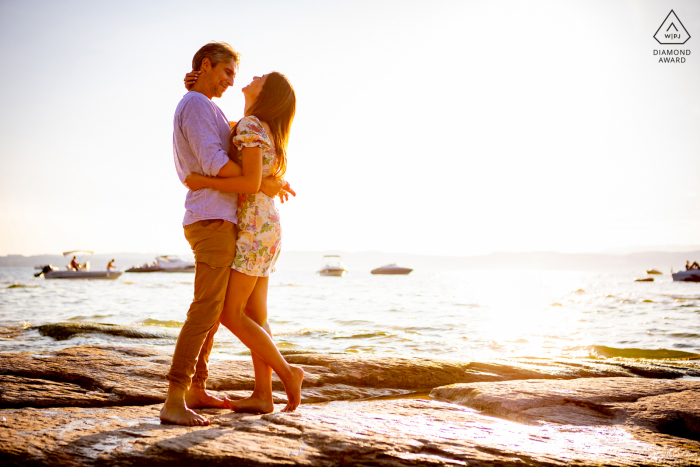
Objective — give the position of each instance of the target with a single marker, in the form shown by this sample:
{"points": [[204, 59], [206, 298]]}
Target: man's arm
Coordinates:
{"points": [[200, 129]]}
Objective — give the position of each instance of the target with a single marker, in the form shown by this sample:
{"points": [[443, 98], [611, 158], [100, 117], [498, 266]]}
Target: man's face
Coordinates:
{"points": [[221, 77]]}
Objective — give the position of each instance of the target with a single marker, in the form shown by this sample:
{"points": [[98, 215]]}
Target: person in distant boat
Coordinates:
{"points": [[695, 265], [74, 264], [110, 265], [200, 145]]}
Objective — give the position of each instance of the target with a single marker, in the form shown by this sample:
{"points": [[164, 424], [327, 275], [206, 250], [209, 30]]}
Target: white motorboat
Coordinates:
{"points": [[689, 275], [332, 266], [392, 269], [82, 272], [165, 263]]}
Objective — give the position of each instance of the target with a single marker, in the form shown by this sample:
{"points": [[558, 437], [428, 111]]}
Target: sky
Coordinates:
{"points": [[444, 127]]}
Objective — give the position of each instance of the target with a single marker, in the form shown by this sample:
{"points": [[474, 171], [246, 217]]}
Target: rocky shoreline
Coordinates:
{"points": [[98, 405]]}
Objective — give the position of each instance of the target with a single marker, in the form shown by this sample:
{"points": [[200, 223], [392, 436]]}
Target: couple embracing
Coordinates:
{"points": [[234, 172]]}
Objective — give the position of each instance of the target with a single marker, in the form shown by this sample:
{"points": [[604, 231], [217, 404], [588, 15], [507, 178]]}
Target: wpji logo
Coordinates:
{"points": [[672, 31]]}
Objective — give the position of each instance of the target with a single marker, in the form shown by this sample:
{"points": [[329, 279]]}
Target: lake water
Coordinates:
{"points": [[464, 315]]}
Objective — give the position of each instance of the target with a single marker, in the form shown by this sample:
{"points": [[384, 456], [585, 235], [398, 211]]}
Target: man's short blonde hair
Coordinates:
{"points": [[216, 52]]}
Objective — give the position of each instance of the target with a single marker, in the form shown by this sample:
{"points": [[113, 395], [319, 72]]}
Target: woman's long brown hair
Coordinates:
{"points": [[275, 105]]}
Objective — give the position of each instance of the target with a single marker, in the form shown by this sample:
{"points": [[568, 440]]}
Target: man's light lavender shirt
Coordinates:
{"points": [[200, 145]]}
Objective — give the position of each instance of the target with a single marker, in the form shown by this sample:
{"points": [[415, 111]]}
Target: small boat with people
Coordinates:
{"points": [[77, 270], [691, 273], [333, 266], [392, 269], [165, 263], [686, 276]]}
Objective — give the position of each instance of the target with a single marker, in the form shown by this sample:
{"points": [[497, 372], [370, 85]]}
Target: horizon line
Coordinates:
{"points": [[348, 252]]}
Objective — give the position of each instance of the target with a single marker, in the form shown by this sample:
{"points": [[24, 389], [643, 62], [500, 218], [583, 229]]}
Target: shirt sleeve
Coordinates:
{"points": [[249, 134], [200, 128]]}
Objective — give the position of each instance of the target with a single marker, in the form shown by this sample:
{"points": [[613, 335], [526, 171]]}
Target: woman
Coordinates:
{"points": [[258, 144]]}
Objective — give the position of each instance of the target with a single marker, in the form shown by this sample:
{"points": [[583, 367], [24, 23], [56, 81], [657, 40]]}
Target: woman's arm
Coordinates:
{"points": [[191, 78], [247, 182], [230, 169], [270, 185]]}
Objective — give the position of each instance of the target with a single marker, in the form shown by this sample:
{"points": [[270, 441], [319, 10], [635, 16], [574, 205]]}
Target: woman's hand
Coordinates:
{"points": [[191, 78], [196, 182], [285, 192], [271, 185]]}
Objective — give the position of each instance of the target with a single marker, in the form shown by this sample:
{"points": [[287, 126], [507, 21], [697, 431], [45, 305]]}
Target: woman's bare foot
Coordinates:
{"points": [[181, 415], [253, 404], [198, 398], [293, 389]]}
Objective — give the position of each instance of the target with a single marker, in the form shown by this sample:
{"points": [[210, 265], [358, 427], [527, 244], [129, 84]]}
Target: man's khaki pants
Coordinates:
{"points": [[214, 245]]}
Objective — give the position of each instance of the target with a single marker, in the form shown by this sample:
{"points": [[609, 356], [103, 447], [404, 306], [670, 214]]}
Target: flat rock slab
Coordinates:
{"points": [[384, 433], [661, 406], [16, 391], [100, 376]]}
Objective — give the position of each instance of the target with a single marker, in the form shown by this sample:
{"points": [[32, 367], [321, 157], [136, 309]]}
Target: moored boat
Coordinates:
{"points": [[49, 272], [689, 275], [392, 269], [79, 271], [333, 266], [165, 263], [653, 271]]}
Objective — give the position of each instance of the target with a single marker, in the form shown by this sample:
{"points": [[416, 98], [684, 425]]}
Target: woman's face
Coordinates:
{"points": [[252, 91]]}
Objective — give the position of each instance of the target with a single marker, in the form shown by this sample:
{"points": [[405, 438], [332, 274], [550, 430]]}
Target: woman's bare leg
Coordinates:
{"points": [[261, 399], [254, 337]]}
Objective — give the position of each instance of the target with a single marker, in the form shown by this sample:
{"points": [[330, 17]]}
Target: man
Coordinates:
{"points": [[200, 144]]}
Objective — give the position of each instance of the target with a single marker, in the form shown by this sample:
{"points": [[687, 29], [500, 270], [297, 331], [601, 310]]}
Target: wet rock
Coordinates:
{"points": [[22, 392], [559, 368], [92, 376], [12, 331], [387, 433], [136, 375], [604, 351], [64, 331], [662, 406], [404, 373], [327, 393], [93, 407], [421, 373], [675, 414]]}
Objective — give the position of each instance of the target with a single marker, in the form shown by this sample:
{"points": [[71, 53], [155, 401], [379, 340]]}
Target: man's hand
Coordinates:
{"points": [[195, 182], [191, 78]]}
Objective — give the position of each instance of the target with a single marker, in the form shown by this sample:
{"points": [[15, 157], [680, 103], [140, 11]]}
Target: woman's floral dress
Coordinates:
{"points": [[260, 234]]}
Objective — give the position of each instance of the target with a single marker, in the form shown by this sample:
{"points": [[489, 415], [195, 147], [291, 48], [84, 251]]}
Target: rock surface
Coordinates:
{"points": [[386, 433], [136, 375], [64, 331], [658, 405], [90, 405]]}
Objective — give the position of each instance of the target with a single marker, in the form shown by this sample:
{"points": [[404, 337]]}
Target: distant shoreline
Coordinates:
{"points": [[310, 260]]}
